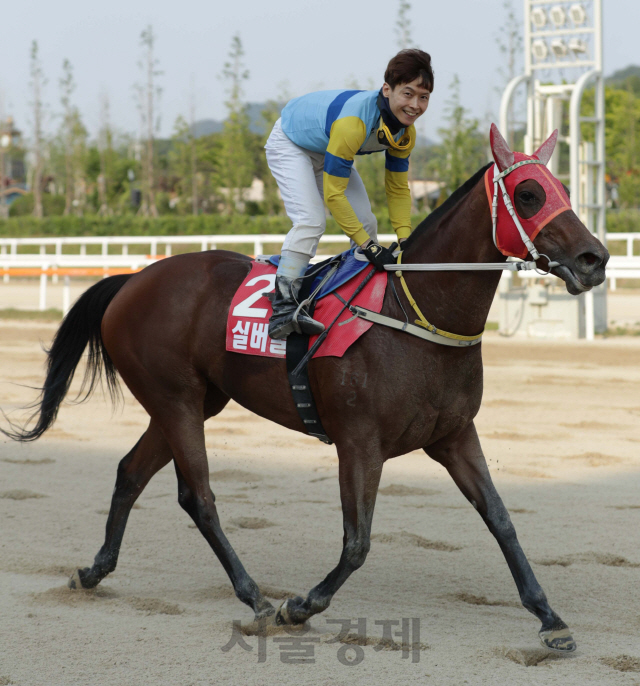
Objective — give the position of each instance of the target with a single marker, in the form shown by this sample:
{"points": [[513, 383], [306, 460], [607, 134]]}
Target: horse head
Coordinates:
{"points": [[541, 201]]}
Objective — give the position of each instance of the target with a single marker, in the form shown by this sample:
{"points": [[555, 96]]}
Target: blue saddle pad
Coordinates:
{"points": [[348, 268]]}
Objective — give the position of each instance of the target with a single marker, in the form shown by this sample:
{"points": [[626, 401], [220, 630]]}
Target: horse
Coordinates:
{"points": [[163, 331]]}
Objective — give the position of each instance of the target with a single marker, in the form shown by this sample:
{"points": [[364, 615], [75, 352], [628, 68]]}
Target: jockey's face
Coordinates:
{"points": [[408, 101]]}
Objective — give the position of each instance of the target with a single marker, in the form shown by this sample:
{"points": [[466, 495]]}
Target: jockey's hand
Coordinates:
{"points": [[378, 255]]}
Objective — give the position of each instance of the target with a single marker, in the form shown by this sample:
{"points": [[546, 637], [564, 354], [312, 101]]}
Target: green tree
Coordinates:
{"points": [[461, 152], [148, 94], [622, 139], [403, 26], [73, 137], [509, 40], [236, 163], [38, 145]]}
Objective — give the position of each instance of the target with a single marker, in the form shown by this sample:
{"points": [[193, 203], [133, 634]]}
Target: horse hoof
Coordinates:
{"points": [[282, 615], [74, 582], [558, 640]]}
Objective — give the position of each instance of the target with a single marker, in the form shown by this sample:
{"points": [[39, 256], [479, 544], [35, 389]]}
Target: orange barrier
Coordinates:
{"points": [[69, 271]]}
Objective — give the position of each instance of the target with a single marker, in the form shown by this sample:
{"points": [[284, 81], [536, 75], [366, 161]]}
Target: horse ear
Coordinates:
{"points": [[500, 148], [544, 152]]}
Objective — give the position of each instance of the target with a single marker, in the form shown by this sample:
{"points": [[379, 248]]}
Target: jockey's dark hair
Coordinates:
{"points": [[409, 65]]}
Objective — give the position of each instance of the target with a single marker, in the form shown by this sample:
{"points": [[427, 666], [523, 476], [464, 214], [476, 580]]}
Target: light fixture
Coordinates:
{"points": [[578, 14], [558, 16], [540, 50], [559, 48], [539, 17], [578, 46]]}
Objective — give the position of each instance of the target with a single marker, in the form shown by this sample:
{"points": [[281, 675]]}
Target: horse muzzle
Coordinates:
{"points": [[583, 272]]}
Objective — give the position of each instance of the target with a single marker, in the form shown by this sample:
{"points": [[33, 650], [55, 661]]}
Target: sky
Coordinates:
{"points": [[292, 46]]}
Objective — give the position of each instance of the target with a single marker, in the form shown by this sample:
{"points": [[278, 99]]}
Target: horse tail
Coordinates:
{"points": [[81, 327]]}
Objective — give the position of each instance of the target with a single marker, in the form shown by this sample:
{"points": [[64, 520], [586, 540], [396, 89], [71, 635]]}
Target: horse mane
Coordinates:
{"points": [[432, 220]]}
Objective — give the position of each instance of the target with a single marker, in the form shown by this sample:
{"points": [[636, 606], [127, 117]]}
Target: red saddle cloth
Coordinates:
{"points": [[248, 321]]}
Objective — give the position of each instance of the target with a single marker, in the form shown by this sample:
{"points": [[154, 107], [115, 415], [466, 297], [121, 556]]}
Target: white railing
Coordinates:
{"points": [[629, 239], [10, 247], [48, 263]]}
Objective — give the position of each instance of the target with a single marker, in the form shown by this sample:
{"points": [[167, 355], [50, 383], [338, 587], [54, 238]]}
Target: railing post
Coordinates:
{"points": [[257, 247], [5, 278], [589, 323], [43, 289], [66, 296]]}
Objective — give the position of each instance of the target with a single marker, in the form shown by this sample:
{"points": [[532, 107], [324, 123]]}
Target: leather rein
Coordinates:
{"points": [[422, 327]]}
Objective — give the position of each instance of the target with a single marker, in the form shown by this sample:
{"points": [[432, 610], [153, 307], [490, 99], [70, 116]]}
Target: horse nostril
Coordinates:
{"points": [[588, 261]]}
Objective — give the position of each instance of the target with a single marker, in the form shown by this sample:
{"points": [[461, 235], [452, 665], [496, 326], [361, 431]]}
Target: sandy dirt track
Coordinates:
{"points": [[560, 425]]}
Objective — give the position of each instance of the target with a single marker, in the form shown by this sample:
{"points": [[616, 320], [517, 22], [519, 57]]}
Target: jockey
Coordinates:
{"points": [[310, 153]]}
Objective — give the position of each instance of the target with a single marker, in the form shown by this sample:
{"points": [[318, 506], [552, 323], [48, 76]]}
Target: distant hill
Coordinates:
{"points": [[205, 127], [627, 78]]}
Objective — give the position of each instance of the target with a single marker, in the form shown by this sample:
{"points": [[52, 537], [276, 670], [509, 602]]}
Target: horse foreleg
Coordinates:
{"points": [[465, 462], [186, 437], [359, 475], [150, 454]]}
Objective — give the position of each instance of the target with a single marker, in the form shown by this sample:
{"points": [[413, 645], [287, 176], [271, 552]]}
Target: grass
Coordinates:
{"points": [[621, 331], [50, 315]]}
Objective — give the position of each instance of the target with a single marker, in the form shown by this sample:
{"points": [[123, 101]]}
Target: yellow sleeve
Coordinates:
{"points": [[347, 135], [396, 184]]}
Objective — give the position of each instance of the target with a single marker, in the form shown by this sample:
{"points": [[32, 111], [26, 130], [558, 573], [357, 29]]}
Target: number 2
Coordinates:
{"points": [[244, 309]]}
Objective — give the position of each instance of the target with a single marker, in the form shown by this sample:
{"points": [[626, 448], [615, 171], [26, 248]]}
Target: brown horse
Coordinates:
{"points": [[163, 330]]}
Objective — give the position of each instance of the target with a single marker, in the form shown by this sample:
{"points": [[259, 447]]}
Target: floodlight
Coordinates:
{"points": [[559, 48], [578, 46], [558, 16], [540, 50], [5, 141], [578, 14], [539, 17]]}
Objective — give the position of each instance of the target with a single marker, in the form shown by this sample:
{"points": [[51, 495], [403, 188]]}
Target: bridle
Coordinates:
{"points": [[498, 183]]}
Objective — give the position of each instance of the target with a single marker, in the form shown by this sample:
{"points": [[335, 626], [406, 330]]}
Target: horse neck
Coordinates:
{"points": [[457, 301]]}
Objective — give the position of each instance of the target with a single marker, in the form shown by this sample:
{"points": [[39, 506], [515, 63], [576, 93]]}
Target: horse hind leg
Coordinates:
{"points": [[185, 433], [150, 454]]}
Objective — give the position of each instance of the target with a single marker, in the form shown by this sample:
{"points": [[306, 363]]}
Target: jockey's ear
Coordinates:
{"points": [[544, 152], [499, 147]]}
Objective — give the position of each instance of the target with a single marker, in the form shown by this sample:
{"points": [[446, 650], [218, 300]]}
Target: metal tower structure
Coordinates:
{"points": [[563, 57]]}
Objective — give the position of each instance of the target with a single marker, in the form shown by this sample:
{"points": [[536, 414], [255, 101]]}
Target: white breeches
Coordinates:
{"points": [[298, 173]]}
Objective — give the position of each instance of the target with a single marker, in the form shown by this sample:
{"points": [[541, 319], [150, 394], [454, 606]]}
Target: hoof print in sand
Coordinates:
{"points": [[252, 523], [606, 559], [530, 657], [21, 494], [401, 490], [154, 606], [622, 663], [471, 599], [234, 475], [407, 538]]}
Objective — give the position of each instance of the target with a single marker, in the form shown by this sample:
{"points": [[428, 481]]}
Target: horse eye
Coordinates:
{"points": [[527, 196]]}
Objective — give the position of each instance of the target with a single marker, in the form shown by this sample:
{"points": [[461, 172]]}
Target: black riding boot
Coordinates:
{"points": [[284, 304]]}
